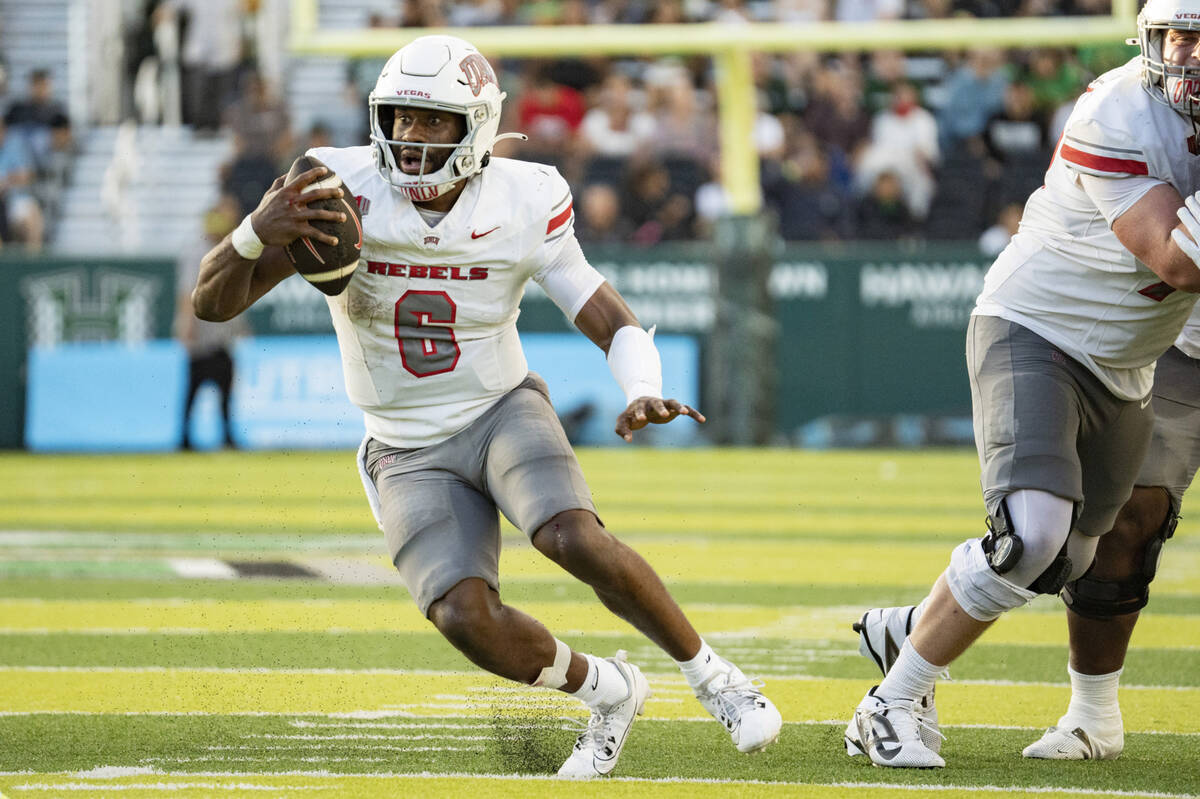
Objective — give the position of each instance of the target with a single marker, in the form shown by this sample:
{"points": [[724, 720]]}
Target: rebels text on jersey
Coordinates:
{"points": [[427, 326], [1065, 275]]}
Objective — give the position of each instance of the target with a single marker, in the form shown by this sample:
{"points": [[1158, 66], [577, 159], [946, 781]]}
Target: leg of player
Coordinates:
{"points": [[630, 588], [976, 588], [512, 644], [1103, 609], [881, 633]]}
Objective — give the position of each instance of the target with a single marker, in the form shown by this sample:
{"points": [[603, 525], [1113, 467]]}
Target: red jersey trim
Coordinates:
{"points": [[1102, 163], [559, 220]]}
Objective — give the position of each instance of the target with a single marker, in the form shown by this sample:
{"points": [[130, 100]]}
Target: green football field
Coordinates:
{"points": [[228, 624]]}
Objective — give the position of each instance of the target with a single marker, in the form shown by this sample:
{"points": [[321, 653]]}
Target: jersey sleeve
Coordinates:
{"points": [[1092, 146], [1115, 196], [554, 223], [569, 280]]}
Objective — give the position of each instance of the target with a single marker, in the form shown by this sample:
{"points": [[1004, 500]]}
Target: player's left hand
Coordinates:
{"points": [[652, 410]]}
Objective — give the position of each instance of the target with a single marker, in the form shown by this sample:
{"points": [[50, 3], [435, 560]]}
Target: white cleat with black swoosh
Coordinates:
{"points": [[890, 732], [881, 633], [599, 746]]}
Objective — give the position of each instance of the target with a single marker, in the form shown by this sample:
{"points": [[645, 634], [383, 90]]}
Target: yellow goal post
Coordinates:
{"points": [[730, 47]]}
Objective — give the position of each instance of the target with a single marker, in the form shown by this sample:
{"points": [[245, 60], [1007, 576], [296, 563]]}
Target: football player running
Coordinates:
{"points": [[1095, 286], [457, 426]]}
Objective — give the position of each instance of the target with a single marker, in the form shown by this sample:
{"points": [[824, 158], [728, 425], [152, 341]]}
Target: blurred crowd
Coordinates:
{"points": [[36, 150], [877, 145]]}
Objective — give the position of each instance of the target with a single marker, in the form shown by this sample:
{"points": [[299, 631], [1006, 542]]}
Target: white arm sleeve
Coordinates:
{"points": [[1114, 196], [569, 279]]}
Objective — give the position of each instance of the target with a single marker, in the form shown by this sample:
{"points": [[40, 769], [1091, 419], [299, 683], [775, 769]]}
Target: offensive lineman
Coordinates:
{"points": [[1103, 605], [457, 427], [1061, 346]]}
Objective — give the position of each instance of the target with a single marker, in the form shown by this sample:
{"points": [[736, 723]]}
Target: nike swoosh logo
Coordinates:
{"points": [[1147, 400], [596, 680], [475, 235]]}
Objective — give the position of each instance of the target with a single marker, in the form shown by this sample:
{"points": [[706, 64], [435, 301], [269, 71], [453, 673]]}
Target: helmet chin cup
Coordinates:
{"points": [[441, 73]]}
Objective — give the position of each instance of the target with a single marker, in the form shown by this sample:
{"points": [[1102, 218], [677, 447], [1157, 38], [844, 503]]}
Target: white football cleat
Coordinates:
{"points": [[751, 719], [1069, 741], [598, 747], [881, 633], [890, 734]]}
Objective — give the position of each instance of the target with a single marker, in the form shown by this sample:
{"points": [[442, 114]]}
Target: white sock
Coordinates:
{"points": [[603, 685], [1094, 696], [911, 677], [700, 668]]}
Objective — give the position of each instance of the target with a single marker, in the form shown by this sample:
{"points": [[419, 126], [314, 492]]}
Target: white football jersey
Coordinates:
{"points": [[1189, 339], [427, 326], [1065, 275]]}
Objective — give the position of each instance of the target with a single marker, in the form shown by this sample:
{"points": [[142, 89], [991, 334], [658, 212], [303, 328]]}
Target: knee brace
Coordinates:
{"points": [[1093, 598], [978, 588], [1004, 550]]}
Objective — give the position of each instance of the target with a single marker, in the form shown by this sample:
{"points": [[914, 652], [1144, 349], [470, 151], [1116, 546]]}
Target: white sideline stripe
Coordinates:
{"points": [[655, 677], [424, 775], [202, 568]]}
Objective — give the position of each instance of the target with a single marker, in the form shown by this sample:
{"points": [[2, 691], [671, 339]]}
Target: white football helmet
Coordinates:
{"points": [[441, 73], [1177, 86]]}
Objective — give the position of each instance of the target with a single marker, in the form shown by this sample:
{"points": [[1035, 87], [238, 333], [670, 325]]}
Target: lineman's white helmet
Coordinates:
{"points": [[1177, 86], [441, 73]]}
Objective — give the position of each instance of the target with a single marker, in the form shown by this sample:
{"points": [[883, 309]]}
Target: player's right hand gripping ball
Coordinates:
{"points": [[327, 267]]}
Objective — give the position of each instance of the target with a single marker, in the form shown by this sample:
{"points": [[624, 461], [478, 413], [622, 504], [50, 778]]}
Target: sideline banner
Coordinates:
{"points": [[863, 330]]}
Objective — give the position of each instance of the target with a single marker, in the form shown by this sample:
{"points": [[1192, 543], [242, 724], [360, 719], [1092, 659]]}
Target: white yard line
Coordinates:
{"points": [[174, 786]]}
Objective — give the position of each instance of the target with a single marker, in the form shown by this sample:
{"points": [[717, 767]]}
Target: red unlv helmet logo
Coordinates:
{"points": [[478, 71]]}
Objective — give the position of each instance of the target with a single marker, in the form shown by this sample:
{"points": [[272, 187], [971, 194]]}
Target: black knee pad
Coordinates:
{"points": [[1103, 599], [1003, 548]]}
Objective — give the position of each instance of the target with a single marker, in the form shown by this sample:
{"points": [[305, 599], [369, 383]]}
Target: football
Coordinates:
{"points": [[329, 268]]}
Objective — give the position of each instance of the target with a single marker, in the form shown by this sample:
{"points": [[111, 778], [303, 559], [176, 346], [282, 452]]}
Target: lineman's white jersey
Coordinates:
{"points": [[427, 326], [1065, 275]]}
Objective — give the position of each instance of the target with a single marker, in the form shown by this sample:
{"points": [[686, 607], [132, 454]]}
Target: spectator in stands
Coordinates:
{"points": [[974, 92], [211, 52], [885, 68], [883, 214], [836, 116], [208, 344], [1055, 77], [259, 121], [22, 220], [867, 10], [54, 168], [475, 13], [682, 126], [616, 127], [550, 115], [808, 203], [600, 220], [31, 116], [1016, 132], [659, 212], [262, 142], [421, 14], [904, 143]]}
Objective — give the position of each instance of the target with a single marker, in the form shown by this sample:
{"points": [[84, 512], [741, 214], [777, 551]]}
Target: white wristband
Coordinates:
{"points": [[246, 241], [634, 362]]}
